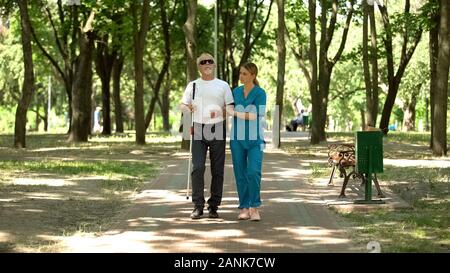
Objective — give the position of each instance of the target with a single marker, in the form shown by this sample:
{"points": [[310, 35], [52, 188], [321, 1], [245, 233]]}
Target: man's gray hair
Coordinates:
{"points": [[205, 56]]}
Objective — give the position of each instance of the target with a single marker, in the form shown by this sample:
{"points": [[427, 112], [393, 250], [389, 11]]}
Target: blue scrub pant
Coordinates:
{"points": [[247, 163]]}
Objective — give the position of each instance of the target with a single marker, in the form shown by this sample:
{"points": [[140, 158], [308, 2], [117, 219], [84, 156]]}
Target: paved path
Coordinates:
{"points": [[294, 216]]}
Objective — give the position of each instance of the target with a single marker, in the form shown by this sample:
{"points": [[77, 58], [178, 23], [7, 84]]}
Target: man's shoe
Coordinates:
{"points": [[213, 213], [197, 213]]}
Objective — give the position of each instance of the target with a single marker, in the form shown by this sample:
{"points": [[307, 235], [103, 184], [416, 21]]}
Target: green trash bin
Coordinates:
{"points": [[305, 121], [369, 160]]}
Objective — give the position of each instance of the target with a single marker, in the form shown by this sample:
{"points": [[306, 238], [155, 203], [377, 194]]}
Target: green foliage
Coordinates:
{"points": [[11, 65], [7, 7], [402, 23], [7, 120], [113, 17]]}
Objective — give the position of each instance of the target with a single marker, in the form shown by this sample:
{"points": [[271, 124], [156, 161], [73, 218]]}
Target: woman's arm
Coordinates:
{"points": [[242, 115]]}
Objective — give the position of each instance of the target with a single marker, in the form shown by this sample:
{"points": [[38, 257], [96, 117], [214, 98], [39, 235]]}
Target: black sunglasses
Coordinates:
{"points": [[203, 62]]}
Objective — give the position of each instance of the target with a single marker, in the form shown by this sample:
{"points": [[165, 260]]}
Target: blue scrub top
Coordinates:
{"points": [[249, 132]]}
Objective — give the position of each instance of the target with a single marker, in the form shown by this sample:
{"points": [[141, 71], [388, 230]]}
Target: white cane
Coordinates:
{"points": [[190, 143]]}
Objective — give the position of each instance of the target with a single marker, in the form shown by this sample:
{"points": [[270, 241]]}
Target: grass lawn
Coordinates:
{"points": [[56, 188], [425, 227]]}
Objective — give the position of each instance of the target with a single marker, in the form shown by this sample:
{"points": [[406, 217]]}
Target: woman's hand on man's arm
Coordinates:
{"points": [[242, 115], [188, 107]]}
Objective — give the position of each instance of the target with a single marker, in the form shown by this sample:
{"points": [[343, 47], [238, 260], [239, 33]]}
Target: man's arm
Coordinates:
{"points": [[186, 101]]}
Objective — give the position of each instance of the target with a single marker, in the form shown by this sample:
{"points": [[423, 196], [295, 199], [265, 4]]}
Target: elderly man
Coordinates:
{"points": [[207, 102]]}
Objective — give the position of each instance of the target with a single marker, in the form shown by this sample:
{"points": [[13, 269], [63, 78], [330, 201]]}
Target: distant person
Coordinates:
{"points": [[97, 126], [305, 120], [298, 120], [392, 127]]}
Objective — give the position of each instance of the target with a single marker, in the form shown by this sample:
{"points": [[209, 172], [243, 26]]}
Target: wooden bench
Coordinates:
{"points": [[342, 157]]}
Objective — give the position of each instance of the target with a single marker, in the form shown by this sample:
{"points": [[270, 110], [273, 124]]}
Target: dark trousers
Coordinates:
{"points": [[200, 145]]}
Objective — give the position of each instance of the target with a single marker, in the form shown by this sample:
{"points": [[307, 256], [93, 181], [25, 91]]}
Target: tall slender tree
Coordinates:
{"points": [[281, 46], [165, 25], [189, 29], [370, 60], [104, 62], [411, 32], [191, 47], [65, 32], [140, 29], [117, 71], [82, 85], [321, 66], [243, 41], [441, 93], [315, 64], [433, 45], [28, 82]]}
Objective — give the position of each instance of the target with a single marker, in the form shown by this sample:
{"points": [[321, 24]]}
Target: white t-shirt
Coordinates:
{"points": [[211, 95]]}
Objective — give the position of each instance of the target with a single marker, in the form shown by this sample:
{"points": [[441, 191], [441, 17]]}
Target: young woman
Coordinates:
{"points": [[247, 141]]}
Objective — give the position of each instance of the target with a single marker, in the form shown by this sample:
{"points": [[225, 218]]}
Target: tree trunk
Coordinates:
{"points": [[433, 51], [366, 67], [371, 80], [325, 71], [427, 115], [106, 106], [165, 105], [82, 86], [373, 106], [89, 90], [69, 106], [363, 119], [151, 109], [118, 112], [228, 13], [104, 63], [28, 82], [46, 115], [389, 103], [191, 44], [315, 128], [191, 47], [93, 108], [140, 32], [409, 117], [38, 118], [441, 93], [281, 47]]}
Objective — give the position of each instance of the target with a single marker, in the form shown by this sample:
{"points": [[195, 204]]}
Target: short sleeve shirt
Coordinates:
{"points": [[249, 132], [210, 96]]}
